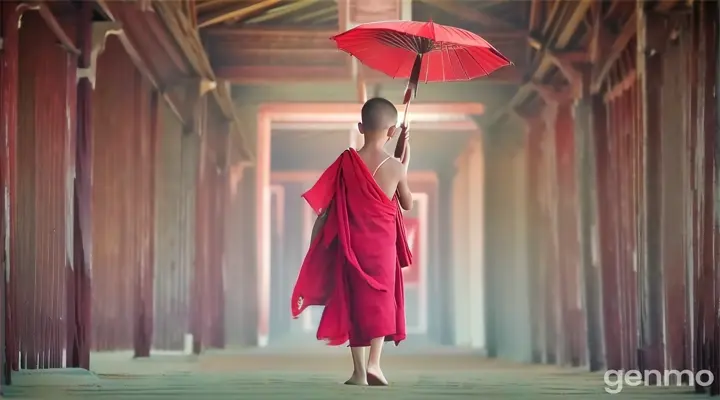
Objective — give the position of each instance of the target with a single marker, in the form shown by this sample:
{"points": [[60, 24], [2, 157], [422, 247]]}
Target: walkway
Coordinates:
{"points": [[268, 375]]}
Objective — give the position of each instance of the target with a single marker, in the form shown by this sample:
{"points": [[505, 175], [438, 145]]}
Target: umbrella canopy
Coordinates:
{"points": [[436, 53]]}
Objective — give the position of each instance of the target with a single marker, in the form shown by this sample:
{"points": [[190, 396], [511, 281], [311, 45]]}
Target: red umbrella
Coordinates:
{"points": [[420, 51]]}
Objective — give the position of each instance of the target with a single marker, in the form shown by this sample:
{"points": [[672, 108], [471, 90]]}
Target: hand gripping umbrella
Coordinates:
{"points": [[420, 51]]}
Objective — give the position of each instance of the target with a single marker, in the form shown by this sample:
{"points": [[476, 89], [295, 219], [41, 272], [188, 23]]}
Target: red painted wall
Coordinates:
{"points": [[123, 204], [45, 102]]}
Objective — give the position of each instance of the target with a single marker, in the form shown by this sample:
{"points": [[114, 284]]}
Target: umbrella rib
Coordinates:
{"points": [[442, 60], [478, 63], [379, 45], [427, 67], [462, 67]]}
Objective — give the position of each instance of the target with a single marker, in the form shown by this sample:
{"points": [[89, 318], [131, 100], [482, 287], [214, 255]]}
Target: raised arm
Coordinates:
{"points": [[404, 194]]}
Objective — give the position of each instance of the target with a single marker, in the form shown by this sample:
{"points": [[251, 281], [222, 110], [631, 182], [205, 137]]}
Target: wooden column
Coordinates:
{"points": [[536, 135], [79, 283], [9, 75], [588, 227], [652, 37]]}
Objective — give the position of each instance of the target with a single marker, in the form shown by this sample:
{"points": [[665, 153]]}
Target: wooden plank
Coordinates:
{"points": [[282, 10], [204, 5], [600, 71], [235, 13]]}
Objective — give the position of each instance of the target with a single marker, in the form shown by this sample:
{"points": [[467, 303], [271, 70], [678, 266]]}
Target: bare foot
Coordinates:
{"points": [[357, 379], [375, 377]]}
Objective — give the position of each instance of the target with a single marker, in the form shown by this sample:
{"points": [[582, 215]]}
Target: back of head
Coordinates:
{"points": [[378, 115]]}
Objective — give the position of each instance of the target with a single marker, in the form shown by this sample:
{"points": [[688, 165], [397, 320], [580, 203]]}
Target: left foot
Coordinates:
{"points": [[375, 377], [357, 380]]}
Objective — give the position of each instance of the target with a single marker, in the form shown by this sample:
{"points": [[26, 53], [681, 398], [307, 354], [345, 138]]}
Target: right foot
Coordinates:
{"points": [[357, 380], [375, 377]]}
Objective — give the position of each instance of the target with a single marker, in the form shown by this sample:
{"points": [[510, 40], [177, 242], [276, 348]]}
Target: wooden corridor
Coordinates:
{"points": [[153, 154]]}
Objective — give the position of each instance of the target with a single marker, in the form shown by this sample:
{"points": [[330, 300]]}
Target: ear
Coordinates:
{"points": [[391, 131], [360, 128]]}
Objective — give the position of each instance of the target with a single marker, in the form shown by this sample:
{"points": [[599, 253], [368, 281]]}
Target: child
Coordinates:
{"points": [[358, 246]]}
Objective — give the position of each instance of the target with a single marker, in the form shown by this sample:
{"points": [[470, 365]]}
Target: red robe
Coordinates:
{"points": [[353, 266]]}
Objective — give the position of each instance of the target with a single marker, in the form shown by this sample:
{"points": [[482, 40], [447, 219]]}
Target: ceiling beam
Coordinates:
{"points": [[607, 59], [568, 29], [236, 12], [212, 3], [282, 10]]}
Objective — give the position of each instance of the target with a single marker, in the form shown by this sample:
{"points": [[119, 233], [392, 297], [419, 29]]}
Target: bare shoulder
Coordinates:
{"points": [[396, 166]]}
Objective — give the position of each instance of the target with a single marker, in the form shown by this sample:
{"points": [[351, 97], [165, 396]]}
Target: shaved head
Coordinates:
{"points": [[378, 115]]}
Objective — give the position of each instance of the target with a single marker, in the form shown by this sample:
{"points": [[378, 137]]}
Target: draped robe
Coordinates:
{"points": [[354, 264]]}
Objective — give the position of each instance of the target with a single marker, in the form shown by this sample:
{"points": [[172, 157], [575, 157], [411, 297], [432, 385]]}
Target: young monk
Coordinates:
{"points": [[358, 247]]}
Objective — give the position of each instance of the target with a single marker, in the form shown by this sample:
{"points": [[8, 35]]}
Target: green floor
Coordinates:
{"points": [[271, 375]]}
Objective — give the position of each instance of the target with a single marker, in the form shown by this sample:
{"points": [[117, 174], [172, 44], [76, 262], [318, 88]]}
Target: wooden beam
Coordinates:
{"points": [[326, 18], [238, 11], [566, 67], [191, 91], [599, 35], [282, 10], [566, 33], [601, 70], [553, 94], [99, 35], [562, 59], [534, 14], [42, 8], [207, 4]]}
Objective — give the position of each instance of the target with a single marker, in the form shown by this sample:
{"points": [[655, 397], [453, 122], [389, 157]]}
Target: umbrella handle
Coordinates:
{"points": [[400, 146], [412, 86], [410, 91]]}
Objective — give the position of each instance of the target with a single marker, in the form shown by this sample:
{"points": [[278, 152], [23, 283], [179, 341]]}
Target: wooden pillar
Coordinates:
{"points": [[147, 109], [587, 196], [198, 317], [9, 82], [536, 134], [79, 283], [561, 121], [443, 320], [653, 33]]}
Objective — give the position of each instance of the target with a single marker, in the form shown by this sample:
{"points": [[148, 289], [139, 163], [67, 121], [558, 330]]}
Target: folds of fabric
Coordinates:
{"points": [[353, 266]]}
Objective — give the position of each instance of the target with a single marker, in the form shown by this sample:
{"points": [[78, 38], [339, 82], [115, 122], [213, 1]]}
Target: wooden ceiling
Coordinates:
{"points": [[262, 41], [296, 14], [271, 41]]}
